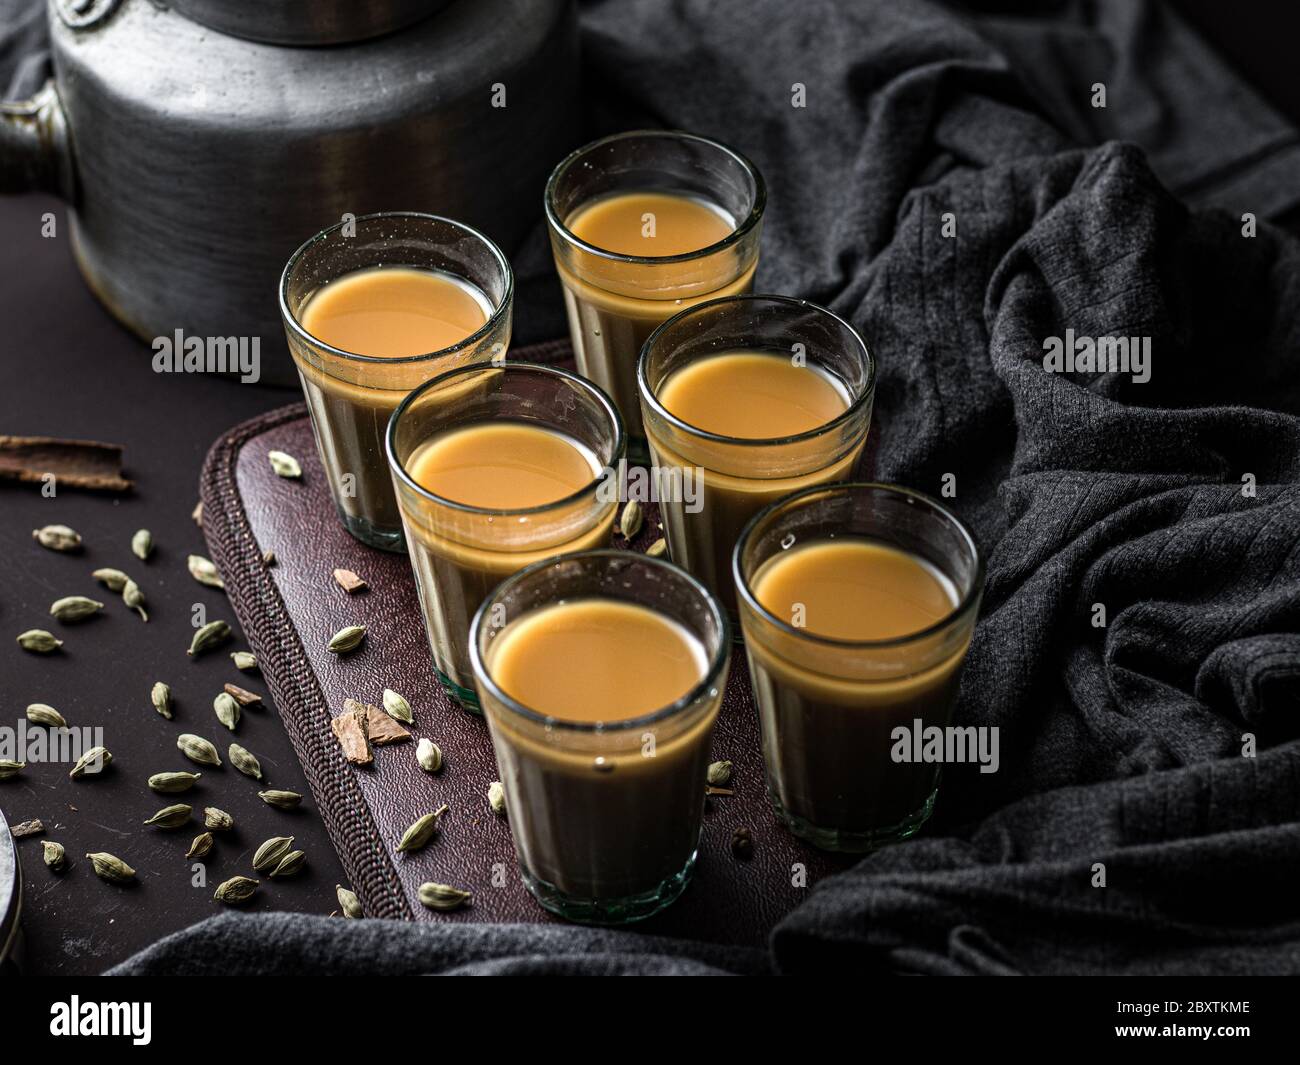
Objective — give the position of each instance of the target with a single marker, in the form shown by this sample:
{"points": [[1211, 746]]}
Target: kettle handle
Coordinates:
{"points": [[35, 153]]}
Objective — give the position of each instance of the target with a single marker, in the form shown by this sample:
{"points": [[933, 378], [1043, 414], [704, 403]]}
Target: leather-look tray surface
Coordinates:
{"points": [[289, 611]]}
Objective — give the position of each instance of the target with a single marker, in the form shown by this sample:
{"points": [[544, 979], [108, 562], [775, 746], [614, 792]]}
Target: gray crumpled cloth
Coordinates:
{"points": [[1121, 746]]}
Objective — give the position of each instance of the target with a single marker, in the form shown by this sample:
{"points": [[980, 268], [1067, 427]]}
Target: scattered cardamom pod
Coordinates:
{"points": [[142, 544], [204, 571], [217, 820], [171, 816], [348, 639], [197, 749], [290, 864], [38, 641], [245, 761], [43, 714], [245, 661], [284, 465], [201, 847], [719, 774], [173, 783], [58, 538], [283, 800], [161, 697], [349, 581], [227, 710], [397, 707], [443, 896], [657, 549], [630, 521], [213, 634], [134, 599], [197, 514], [421, 832], [112, 579], [268, 855], [10, 768], [74, 608], [429, 755], [55, 856], [742, 843], [348, 902], [111, 867], [91, 763], [268, 557], [497, 797], [235, 890], [242, 695]]}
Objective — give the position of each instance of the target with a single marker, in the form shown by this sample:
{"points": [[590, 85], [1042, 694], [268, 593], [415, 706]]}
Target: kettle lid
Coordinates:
{"points": [[307, 22]]}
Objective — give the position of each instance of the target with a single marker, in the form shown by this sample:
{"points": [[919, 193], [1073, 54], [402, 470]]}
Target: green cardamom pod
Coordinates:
{"points": [[245, 761], [173, 783], [112, 579], [348, 639], [429, 755], [197, 749], [284, 465], [290, 864], [421, 832], [57, 538], [74, 608], [245, 661], [142, 544], [171, 816], [348, 902], [227, 710], [268, 855], [496, 796], [55, 856], [397, 707], [213, 634], [719, 774], [235, 890], [283, 800], [39, 641], [91, 763], [161, 697], [110, 867], [443, 896], [204, 571], [201, 847], [10, 768], [217, 820], [657, 549], [44, 714], [630, 521], [134, 599]]}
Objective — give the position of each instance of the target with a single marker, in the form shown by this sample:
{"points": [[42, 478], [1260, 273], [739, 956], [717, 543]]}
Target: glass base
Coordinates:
{"points": [[610, 911], [466, 697], [372, 535], [835, 839]]}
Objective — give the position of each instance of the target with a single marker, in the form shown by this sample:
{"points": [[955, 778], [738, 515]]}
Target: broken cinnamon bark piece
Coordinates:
{"points": [[381, 728], [73, 463], [349, 581], [242, 695], [351, 732]]}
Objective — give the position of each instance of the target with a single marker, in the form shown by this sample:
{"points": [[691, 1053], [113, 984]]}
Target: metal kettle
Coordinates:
{"points": [[200, 142]]}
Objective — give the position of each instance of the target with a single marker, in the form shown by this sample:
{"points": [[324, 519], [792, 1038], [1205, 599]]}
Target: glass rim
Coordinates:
{"points": [[854, 407], [493, 319], [967, 601], [606, 471], [743, 227], [717, 660]]}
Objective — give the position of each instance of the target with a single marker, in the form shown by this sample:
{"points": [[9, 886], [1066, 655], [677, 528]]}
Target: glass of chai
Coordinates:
{"points": [[644, 224], [746, 400], [373, 307], [601, 675], [498, 467], [857, 603]]}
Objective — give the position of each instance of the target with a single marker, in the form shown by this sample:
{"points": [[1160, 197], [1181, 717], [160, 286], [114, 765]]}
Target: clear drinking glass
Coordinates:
{"points": [[606, 816], [351, 396], [460, 552], [615, 301], [710, 485], [829, 707]]}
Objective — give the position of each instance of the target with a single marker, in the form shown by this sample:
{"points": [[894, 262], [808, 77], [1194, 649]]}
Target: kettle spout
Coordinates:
{"points": [[34, 151]]}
